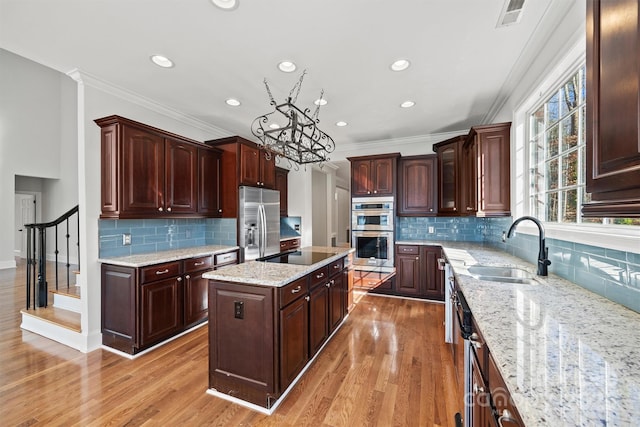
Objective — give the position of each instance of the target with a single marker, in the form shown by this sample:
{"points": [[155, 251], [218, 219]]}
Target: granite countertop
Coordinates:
{"points": [[568, 356], [142, 260], [273, 274]]}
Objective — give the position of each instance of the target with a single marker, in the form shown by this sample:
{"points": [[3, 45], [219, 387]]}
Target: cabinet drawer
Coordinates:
{"points": [[197, 264], [319, 276], [159, 271], [227, 258], [293, 291], [407, 249], [335, 267]]}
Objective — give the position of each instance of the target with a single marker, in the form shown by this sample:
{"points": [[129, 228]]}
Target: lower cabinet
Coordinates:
{"points": [[144, 306], [281, 327], [418, 272]]}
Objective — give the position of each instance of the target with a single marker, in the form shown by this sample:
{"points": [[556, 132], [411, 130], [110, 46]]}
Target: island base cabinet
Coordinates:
{"points": [[242, 342], [294, 340]]}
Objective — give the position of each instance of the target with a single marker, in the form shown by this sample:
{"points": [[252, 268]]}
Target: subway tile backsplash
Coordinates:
{"points": [[153, 235], [610, 273]]}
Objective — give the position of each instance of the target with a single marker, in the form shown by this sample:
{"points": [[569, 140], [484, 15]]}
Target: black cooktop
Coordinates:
{"points": [[298, 257]]}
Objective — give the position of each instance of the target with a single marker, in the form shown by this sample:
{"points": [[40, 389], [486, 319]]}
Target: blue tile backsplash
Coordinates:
{"points": [[153, 235], [611, 273]]}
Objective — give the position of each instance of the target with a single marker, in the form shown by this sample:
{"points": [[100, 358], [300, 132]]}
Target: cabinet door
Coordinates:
{"points": [[209, 183], [181, 177], [613, 108], [249, 165], [267, 171], [318, 318], [469, 178], [142, 172], [493, 171], [417, 186], [432, 275], [119, 307], [294, 340], [282, 186], [382, 177], [360, 177], [448, 166], [336, 304], [161, 310], [196, 303], [407, 278]]}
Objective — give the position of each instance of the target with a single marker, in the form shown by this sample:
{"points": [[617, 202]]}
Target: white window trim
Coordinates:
{"points": [[617, 237]]}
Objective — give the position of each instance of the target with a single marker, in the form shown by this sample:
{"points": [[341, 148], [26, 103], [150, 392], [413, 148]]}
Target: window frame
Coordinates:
{"points": [[610, 236]]}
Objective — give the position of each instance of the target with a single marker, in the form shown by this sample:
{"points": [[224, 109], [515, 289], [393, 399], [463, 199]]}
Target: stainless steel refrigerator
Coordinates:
{"points": [[259, 221]]}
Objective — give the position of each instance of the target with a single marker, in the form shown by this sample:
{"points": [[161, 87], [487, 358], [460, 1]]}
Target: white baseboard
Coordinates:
{"points": [[7, 264]]}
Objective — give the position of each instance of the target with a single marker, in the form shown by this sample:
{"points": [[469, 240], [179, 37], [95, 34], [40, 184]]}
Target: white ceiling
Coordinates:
{"points": [[461, 63]]}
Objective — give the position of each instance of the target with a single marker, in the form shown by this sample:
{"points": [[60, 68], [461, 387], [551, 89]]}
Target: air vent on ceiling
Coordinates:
{"points": [[511, 13]]}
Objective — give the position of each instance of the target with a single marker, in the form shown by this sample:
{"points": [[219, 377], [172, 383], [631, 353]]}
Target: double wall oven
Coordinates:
{"points": [[372, 232]]}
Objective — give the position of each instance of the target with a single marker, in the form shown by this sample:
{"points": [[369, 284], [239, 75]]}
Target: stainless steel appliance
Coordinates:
{"points": [[259, 222], [373, 250], [372, 213], [462, 357]]}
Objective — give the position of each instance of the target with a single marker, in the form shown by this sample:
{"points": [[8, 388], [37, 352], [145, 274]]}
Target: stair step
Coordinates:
{"points": [[57, 316], [72, 291]]}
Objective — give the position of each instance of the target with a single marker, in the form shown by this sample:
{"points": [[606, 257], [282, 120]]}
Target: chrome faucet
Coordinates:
{"points": [[543, 252]]}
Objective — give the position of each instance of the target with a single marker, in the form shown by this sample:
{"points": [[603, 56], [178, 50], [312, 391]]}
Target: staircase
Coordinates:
{"points": [[53, 313]]}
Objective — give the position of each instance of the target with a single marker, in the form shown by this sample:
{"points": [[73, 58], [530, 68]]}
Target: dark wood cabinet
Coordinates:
{"points": [[336, 295], [450, 187], [209, 182], [486, 158], [147, 172], [289, 244], [418, 272], [417, 186], [318, 317], [612, 126], [144, 306], [242, 163], [374, 175], [294, 339], [282, 183]]}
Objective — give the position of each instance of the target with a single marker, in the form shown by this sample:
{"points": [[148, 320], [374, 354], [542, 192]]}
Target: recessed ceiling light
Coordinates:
{"points": [[232, 102], [274, 126], [341, 124], [225, 4], [407, 104], [287, 66], [400, 65], [320, 101], [162, 61]]}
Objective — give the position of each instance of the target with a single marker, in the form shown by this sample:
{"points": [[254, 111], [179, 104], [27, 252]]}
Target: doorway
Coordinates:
{"points": [[25, 213]]}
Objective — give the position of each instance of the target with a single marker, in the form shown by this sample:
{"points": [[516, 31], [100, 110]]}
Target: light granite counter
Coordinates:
{"points": [[142, 260], [273, 274], [568, 356]]}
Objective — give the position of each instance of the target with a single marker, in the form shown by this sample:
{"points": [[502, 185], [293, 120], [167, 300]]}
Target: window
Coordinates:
{"points": [[557, 155]]}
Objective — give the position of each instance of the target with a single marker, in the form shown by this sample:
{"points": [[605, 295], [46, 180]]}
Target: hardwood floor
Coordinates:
{"points": [[386, 366]]}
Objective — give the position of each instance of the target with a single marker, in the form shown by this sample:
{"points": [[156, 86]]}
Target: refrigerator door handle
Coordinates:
{"points": [[262, 230]]}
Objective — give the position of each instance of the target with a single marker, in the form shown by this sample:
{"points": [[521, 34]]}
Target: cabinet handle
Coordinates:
{"points": [[179, 279], [455, 209], [169, 209], [474, 340], [197, 264], [375, 191], [368, 192], [441, 264], [296, 290], [319, 276], [307, 298], [430, 210], [187, 277], [506, 416], [328, 284], [162, 272], [477, 389], [160, 209], [335, 267], [469, 209], [417, 258], [219, 210]]}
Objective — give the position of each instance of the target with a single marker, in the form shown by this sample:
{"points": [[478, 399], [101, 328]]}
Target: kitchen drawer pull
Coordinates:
{"points": [[307, 298], [179, 279], [335, 267], [477, 389], [187, 277], [198, 264], [474, 340], [165, 271], [319, 276], [296, 290], [328, 284], [506, 416]]}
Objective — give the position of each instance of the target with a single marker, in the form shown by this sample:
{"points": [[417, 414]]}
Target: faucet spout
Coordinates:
{"points": [[543, 251]]}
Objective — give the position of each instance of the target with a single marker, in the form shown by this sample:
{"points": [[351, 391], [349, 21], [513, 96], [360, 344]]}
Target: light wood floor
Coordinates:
{"points": [[386, 366]]}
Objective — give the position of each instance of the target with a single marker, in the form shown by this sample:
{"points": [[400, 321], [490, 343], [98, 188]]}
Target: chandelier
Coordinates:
{"points": [[299, 140]]}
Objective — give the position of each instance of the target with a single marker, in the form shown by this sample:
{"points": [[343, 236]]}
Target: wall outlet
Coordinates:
{"points": [[432, 229], [126, 239]]}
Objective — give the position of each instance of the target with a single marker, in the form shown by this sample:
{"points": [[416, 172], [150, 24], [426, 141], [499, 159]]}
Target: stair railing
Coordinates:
{"points": [[37, 285]]}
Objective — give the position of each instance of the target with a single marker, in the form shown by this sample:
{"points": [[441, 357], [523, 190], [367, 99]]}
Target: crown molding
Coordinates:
{"points": [[90, 80]]}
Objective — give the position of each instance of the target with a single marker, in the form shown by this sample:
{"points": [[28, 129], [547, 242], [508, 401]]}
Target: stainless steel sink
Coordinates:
{"points": [[501, 274]]}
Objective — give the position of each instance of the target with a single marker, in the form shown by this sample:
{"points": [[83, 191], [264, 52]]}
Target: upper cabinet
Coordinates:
{"points": [[417, 186], [282, 185], [242, 163], [147, 172], [613, 108], [373, 175], [209, 182], [474, 172]]}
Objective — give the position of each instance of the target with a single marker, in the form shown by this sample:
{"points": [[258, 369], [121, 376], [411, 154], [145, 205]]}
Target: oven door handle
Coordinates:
{"points": [[458, 418]]}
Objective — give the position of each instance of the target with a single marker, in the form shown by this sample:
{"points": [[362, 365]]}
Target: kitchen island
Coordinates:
{"points": [[269, 320], [566, 355]]}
